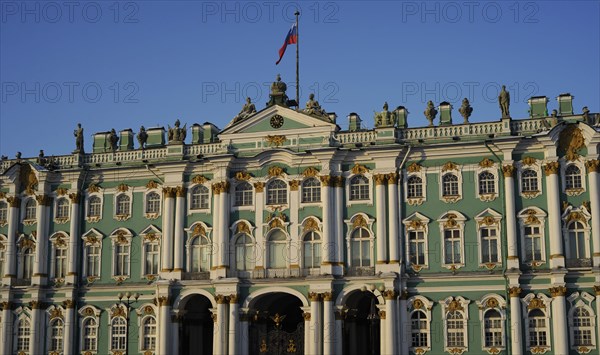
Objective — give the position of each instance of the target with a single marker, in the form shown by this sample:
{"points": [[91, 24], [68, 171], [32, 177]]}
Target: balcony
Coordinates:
{"points": [[579, 263], [205, 275], [361, 271]]}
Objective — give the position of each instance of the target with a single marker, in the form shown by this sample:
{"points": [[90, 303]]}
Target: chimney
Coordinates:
{"points": [[402, 117], [565, 104], [126, 140], [537, 106], [354, 122], [445, 113]]}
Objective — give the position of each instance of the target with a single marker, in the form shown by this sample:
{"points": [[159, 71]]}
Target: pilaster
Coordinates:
{"points": [[559, 320], [515, 335], [557, 256]]}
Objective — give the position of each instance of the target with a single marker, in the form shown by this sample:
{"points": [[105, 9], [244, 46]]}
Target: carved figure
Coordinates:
{"points": [[142, 137], [504, 102], [113, 140], [385, 118], [313, 107], [248, 110], [176, 134], [465, 110], [78, 133], [278, 96], [430, 112]]}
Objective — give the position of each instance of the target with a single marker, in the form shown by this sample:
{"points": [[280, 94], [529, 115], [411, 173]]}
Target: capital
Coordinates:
{"points": [[551, 168], [558, 291], [514, 291], [380, 179], [592, 166], [508, 170]]}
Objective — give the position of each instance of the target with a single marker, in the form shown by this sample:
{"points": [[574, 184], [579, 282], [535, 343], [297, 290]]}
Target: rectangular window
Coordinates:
{"points": [[60, 263], [537, 332], [533, 244], [416, 247], [93, 260], [122, 262], [243, 198], [489, 245], [152, 256], [452, 246], [456, 336]]}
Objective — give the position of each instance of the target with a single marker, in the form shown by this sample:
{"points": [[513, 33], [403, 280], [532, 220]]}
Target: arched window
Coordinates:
{"points": [[149, 333], [456, 330], [583, 328], [277, 249], [199, 200], [312, 250], [414, 187], [56, 335], [529, 181], [92, 255], [243, 194], [450, 185], [200, 254], [419, 329], [573, 177], [578, 247], [360, 247], [487, 183], [27, 263], [62, 208], [277, 193], [3, 212], [90, 335], [244, 253], [538, 329], [493, 332], [311, 190], [152, 257], [359, 188], [30, 209], [118, 334], [152, 203], [94, 206], [123, 205], [23, 335]]}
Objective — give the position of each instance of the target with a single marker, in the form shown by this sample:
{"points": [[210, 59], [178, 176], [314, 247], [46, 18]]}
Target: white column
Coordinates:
{"points": [[216, 256], [7, 328], [597, 290], [307, 330], [40, 269], [164, 325], [404, 338], [381, 234], [175, 336], [383, 329], [258, 232], [11, 247], [329, 331], [338, 183], [296, 240], [393, 213], [178, 232], [516, 335], [221, 337], [234, 310], [391, 322], [328, 251], [592, 167], [511, 217], [37, 321], [339, 320], [243, 336], [70, 326], [315, 324], [560, 335], [224, 223], [167, 232], [557, 256], [72, 267]]}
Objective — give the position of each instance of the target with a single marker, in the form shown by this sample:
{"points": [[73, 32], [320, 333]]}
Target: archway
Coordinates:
{"points": [[361, 324], [276, 325], [196, 326]]}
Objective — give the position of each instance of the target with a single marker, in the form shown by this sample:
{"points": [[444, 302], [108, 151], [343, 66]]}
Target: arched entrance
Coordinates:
{"points": [[361, 324], [196, 327], [276, 325]]}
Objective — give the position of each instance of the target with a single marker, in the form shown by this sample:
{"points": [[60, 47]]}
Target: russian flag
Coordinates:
{"points": [[291, 38]]}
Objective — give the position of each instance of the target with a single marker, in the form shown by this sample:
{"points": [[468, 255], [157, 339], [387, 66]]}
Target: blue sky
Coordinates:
{"points": [[110, 64]]}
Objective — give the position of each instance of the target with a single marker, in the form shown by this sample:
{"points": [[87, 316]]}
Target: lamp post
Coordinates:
{"points": [[127, 303]]}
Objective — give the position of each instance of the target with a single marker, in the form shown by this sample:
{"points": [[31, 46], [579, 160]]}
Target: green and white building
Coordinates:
{"points": [[283, 234]]}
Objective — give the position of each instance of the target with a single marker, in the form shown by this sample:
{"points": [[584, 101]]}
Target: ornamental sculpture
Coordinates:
{"points": [[277, 95], [177, 134], [142, 137], [78, 133], [247, 110], [430, 112], [504, 102], [465, 110], [385, 118], [314, 108]]}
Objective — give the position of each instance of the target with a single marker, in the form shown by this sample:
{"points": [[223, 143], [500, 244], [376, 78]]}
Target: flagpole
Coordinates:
{"points": [[297, 13]]}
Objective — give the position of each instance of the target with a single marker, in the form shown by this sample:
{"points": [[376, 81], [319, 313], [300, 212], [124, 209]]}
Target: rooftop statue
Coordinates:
{"points": [[385, 118], [430, 112], [278, 96], [314, 108], [504, 102], [78, 133], [142, 137], [176, 134], [113, 139], [465, 110], [248, 110]]}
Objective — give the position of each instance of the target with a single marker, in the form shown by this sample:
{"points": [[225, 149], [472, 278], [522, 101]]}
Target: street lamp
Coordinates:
{"points": [[127, 303]]}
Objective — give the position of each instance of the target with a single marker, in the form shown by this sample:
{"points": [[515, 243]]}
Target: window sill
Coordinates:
{"points": [[574, 191], [530, 194]]}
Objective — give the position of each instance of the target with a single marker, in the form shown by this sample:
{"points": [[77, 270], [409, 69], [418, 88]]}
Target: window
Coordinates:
{"points": [[27, 263], [416, 247], [92, 260], [582, 328], [60, 261], [277, 193], [359, 188], [118, 334], [201, 251], [62, 208], [312, 250], [360, 247], [489, 245], [94, 207], [456, 331], [487, 183], [3, 212], [2, 257], [152, 258], [149, 334], [153, 203], [419, 329], [123, 205], [199, 200], [244, 253], [577, 241], [452, 246], [121, 260], [529, 181], [450, 185], [30, 209], [533, 244], [493, 331], [90, 333], [573, 177], [538, 329], [243, 194], [414, 187], [23, 335], [277, 244], [311, 190], [56, 335]]}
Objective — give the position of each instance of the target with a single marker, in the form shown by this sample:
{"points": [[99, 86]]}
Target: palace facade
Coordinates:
{"points": [[283, 234]]}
